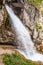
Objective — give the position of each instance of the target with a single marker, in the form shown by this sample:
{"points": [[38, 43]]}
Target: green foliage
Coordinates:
{"points": [[38, 26], [42, 13], [15, 59], [35, 2]]}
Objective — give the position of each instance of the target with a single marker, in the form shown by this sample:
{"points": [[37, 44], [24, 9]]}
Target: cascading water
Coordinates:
{"points": [[24, 43]]}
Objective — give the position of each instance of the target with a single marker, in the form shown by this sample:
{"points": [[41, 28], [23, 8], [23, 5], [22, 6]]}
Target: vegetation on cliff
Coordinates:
{"points": [[39, 27], [35, 2]]}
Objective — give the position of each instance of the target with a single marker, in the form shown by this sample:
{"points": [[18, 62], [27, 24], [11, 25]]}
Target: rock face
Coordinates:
{"points": [[6, 35], [33, 20], [3, 16]]}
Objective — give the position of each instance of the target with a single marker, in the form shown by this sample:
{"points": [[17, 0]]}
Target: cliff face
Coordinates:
{"points": [[6, 34], [32, 17], [33, 20]]}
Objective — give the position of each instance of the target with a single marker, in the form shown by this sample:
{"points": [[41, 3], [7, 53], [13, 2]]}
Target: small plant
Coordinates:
{"points": [[38, 26]]}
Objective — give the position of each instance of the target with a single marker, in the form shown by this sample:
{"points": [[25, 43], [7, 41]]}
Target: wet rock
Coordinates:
{"points": [[39, 48], [35, 33], [38, 41], [41, 35]]}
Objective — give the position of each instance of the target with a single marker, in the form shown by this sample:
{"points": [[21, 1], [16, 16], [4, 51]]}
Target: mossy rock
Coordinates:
{"points": [[36, 3]]}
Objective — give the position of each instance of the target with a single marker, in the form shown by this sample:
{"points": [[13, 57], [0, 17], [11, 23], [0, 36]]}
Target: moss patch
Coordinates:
{"points": [[15, 59], [38, 27]]}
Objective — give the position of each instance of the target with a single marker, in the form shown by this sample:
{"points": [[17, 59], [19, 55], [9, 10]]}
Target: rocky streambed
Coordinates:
{"points": [[7, 51]]}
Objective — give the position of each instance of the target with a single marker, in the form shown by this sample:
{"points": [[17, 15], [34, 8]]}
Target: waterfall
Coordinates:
{"points": [[24, 43]]}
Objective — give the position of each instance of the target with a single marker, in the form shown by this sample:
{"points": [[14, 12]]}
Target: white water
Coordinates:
{"points": [[25, 44]]}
